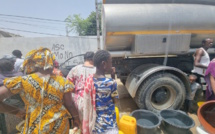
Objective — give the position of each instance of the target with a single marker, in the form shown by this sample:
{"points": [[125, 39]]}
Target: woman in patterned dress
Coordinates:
{"points": [[43, 95], [99, 110], [78, 76], [210, 80]]}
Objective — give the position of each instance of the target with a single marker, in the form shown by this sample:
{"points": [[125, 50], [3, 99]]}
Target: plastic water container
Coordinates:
{"points": [[176, 122], [200, 130], [147, 122], [200, 103], [117, 115], [127, 125], [120, 132]]}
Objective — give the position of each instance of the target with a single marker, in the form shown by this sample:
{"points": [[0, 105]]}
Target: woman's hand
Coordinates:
{"points": [[77, 122], [113, 72], [76, 131]]}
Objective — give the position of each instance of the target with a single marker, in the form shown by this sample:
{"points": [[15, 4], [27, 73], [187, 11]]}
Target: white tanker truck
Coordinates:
{"points": [[152, 43]]}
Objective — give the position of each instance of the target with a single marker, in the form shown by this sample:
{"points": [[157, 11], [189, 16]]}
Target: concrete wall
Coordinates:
{"points": [[63, 47]]}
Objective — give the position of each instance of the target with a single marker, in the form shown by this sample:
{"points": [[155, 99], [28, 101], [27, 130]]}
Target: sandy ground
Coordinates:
{"points": [[126, 105]]}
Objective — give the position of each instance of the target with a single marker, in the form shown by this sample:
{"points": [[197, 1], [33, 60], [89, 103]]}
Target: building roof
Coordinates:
{"points": [[7, 34]]}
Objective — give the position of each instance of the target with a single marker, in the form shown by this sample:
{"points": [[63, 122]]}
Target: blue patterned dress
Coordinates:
{"points": [[105, 108]]}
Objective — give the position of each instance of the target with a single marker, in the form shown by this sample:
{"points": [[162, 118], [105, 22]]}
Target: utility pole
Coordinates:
{"points": [[97, 25], [67, 32]]}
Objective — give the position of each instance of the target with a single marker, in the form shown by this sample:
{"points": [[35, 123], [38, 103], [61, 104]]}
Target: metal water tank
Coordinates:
{"points": [[204, 2], [123, 22]]}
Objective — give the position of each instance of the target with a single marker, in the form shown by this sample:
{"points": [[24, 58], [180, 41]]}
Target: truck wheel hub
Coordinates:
{"points": [[160, 96]]}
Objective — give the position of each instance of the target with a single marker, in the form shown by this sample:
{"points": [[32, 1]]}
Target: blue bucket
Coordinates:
{"points": [[176, 122], [147, 121]]}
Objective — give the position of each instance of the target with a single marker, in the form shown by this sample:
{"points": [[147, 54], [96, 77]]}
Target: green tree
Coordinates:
{"points": [[83, 27]]}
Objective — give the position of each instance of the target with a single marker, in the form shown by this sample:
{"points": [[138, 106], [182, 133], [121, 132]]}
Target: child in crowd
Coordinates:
{"points": [[99, 110], [194, 86]]}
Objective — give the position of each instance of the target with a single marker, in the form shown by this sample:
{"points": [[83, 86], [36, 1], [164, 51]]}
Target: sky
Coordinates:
{"points": [[47, 9]]}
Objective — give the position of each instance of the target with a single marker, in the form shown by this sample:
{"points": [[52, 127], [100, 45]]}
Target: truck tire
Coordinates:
{"points": [[161, 91]]}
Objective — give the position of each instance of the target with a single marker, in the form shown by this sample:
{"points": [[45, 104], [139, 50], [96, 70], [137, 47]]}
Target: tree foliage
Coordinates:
{"points": [[83, 27]]}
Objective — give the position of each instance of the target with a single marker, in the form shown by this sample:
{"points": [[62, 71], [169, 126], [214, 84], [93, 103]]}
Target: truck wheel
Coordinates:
{"points": [[161, 91]]}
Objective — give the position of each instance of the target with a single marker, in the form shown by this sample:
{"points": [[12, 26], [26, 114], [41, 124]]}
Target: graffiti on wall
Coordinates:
{"points": [[60, 52], [63, 54]]}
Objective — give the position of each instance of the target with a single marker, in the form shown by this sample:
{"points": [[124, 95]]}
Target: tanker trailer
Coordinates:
{"points": [[203, 2], [152, 47]]}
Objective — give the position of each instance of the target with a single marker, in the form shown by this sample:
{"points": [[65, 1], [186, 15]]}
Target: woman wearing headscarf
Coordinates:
{"points": [[43, 94]]}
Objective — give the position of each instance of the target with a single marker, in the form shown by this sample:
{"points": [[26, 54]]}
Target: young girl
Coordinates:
{"points": [[99, 109]]}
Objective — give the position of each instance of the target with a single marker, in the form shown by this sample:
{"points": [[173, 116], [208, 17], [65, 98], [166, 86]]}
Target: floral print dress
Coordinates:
{"points": [[78, 76]]}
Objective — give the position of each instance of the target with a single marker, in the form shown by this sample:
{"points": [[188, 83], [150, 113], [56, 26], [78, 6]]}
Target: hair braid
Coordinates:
{"points": [[100, 55]]}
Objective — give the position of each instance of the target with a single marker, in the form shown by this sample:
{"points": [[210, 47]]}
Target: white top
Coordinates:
{"points": [[18, 64], [205, 60]]}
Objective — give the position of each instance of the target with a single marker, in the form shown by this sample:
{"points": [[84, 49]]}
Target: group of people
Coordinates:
{"points": [[9, 66], [86, 93], [50, 99], [203, 68]]}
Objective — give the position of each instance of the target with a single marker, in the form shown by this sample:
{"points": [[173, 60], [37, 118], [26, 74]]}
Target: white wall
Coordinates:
{"points": [[63, 47]]}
